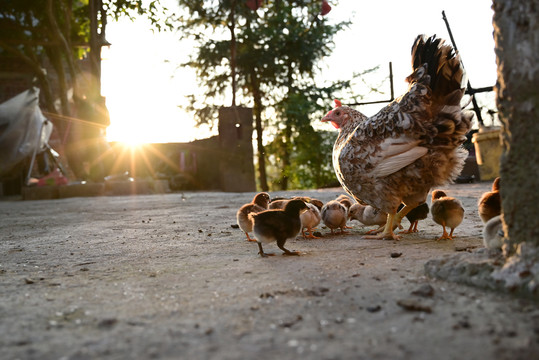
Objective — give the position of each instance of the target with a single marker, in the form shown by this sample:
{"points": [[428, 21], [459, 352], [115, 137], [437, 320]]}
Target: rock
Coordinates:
{"points": [[413, 305], [424, 290]]}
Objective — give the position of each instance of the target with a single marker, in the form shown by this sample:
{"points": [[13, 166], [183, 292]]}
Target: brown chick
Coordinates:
{"points": [[280, 203], [334, 215], [260, 203], [278, 225], [316, 202], [490, 203], [446, 211]]}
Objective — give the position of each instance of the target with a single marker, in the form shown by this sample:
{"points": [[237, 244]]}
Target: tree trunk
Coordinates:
{"points": [[261, 152], [517, 49]]}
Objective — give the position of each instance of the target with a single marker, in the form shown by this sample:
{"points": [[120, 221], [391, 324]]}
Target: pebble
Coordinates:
{"points": [[413, 305], [424, 290]]}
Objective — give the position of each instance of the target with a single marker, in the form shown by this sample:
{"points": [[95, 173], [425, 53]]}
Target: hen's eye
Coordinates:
{"points": [[338, 113]]}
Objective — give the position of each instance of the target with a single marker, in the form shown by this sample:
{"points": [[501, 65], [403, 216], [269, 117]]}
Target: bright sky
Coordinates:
{"points": [[144, 86]]}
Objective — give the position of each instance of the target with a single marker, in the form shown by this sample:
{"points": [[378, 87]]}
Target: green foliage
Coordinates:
{"points": [[278, 49], [58, 32]]}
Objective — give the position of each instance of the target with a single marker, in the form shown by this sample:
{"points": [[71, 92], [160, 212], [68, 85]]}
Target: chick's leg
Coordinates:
{"points": [[249, 238], [280, 244], [388, 230], [261, 251], [376, 231], [411, 229], [445, 235], [311, 235]]}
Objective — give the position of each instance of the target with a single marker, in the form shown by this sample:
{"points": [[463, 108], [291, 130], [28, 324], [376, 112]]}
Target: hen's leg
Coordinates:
{"points": [[388, 230]]}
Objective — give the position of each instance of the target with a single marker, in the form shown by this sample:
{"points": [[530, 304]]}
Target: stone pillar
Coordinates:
{"points": [[235, 138]]}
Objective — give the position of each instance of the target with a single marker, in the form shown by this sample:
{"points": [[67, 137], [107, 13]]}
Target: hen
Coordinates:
{"points": [[412, 144]]}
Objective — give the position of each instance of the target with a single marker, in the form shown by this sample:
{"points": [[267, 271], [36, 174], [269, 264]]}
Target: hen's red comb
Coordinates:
{"points": [[337, 103]]}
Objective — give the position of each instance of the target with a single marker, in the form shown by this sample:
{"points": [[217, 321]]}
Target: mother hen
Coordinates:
{"points": [[412, 144]]}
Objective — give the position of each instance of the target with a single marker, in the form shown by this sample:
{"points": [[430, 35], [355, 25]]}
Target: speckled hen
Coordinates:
{"points": [[412, 144]]}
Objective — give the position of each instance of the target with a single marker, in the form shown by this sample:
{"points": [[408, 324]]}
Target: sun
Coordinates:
{"points": [[143, 93]]}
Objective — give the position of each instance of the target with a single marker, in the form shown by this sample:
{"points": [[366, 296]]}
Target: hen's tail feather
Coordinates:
{"points": [[437, 66], [443, 65]]}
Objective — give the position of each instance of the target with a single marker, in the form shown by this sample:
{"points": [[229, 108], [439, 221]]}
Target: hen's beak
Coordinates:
{"points": [[327, 117]]}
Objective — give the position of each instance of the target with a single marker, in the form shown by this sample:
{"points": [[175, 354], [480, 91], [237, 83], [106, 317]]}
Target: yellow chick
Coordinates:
{"points": [[446, 211], [309, 220]]}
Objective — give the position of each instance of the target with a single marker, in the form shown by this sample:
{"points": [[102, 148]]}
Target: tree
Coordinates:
{"points": [[277, 49], [56, 34], [517, 49]]}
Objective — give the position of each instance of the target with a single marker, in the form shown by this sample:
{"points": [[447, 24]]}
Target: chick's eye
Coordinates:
{"points": [[338, 113]]}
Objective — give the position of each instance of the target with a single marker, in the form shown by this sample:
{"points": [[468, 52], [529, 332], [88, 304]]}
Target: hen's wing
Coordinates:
{"points": [[428, 116]]}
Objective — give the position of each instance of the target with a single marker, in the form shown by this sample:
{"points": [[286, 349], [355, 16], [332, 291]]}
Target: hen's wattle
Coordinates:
{"points": [[412, 144]]}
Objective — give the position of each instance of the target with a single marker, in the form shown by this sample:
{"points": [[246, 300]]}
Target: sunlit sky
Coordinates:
{"points": [[144, 85]]}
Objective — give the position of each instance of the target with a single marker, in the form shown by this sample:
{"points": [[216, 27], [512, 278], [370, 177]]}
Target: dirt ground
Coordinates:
{"points": [[169, 277]]}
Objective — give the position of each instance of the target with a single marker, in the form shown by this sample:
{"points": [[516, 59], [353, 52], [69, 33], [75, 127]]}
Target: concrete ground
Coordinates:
{"points": [[167, 276]]}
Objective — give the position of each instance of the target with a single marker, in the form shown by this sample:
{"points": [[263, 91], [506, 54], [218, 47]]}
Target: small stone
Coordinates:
{"points": [[396, 254], [28, 281], [413, 305], [424, 290], [107, 323], [374, 308]]}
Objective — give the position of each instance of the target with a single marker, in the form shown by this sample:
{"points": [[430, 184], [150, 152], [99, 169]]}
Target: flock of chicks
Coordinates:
{"points": [[281, 219]]}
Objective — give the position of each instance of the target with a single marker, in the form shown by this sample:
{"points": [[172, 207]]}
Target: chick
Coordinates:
{"points": [[490, 203], [493, 233], [260, 203], [446, 211], [345, 200], [310, 219], [368, 216], [418, 213], [280, 203], [334, 215], [316, 202], [278, 225]]}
